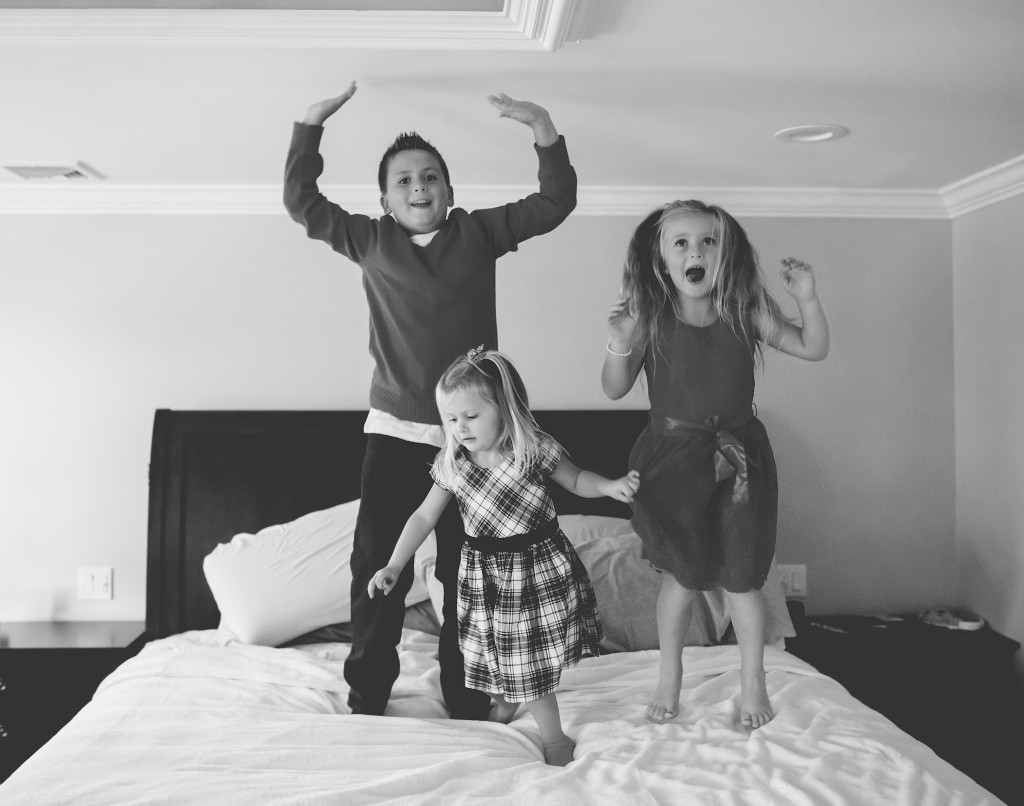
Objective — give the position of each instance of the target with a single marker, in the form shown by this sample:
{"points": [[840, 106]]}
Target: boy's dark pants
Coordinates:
{"points": [[395, 480]]}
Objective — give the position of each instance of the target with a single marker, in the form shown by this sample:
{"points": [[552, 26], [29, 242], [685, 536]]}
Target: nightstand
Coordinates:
{"points": [[954, 690], [48, 671]]}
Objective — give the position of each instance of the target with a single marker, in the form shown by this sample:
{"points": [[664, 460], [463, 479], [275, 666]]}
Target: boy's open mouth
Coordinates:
{"points": [[695, 274], [421, 203]]}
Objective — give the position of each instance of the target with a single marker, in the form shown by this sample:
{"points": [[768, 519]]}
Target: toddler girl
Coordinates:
{"points": [[526, 607], [695, 314]]}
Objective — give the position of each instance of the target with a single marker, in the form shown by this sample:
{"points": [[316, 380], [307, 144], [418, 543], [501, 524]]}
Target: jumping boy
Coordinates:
{"points": [[429, 277]]}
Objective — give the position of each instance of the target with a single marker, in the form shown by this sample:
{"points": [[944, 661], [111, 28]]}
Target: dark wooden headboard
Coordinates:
{"points": [[214, 474]]}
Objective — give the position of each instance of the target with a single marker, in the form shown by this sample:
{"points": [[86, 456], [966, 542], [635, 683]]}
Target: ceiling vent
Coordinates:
{"points": [[72, 173]]}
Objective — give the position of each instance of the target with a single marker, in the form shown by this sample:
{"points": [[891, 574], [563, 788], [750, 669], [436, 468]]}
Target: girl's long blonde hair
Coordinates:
{"points": [[493, 376], [739, 295]]}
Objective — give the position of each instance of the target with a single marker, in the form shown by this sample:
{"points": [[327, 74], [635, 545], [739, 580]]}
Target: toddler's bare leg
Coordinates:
{"points": [[502, 710], [674, 611], [558, 748], [749, 617]]}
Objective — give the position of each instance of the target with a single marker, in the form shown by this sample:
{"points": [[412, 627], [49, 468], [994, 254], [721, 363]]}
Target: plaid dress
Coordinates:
{"points": [[523, 615]]}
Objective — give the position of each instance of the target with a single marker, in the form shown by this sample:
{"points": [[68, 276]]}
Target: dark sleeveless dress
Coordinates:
{"points": [[708, 500]]}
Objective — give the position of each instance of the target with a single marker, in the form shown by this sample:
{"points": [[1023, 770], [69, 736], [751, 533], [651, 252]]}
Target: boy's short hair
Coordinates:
{"points": [[408, 141]]}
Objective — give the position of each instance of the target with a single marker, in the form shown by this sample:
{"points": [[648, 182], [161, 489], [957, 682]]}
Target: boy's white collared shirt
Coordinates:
{"points": [[380, 422], [422, 238]]}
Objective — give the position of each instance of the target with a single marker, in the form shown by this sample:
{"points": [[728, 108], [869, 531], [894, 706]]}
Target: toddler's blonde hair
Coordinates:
{"points": [[493, 376]]}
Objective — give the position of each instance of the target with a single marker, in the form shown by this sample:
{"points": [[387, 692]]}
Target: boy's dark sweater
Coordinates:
{"points": [[428, 304]]}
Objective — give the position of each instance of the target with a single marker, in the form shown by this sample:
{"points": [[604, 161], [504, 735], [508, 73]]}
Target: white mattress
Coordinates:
{"points": [[200, 718]]}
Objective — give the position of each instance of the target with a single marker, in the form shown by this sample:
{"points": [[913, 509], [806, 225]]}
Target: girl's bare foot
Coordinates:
{"points": [[656, 712], [665, 705], [559, 753], [755, 707]]}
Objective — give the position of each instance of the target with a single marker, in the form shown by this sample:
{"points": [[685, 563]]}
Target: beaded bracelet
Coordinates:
{"points": [[608, 347]]}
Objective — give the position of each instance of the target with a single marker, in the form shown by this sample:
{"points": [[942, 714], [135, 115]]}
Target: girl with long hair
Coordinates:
{"points": [[695, 314]]}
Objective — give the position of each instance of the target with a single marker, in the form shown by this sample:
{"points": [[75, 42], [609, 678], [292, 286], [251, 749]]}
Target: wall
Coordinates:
{"points": [[103, 319], [988, 285]]}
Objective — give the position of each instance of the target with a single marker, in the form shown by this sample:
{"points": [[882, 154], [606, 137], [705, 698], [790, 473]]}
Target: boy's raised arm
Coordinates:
{"points": [[323, 220], [510, 224]]}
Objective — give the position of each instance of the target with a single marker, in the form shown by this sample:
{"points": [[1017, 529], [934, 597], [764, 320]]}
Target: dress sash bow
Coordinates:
{"points": [[730, 455]]}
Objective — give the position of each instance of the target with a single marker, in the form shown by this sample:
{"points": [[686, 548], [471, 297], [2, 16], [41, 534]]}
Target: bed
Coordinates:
{"points": [[238, 695]]}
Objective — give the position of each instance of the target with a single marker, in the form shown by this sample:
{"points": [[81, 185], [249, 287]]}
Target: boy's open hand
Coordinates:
{"points": [[625, 488], [797, 279], [536, 117], [320, 111], [384, 580], [523, 111]]}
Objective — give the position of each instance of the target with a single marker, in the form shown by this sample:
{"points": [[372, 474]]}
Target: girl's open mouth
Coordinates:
{"points": [[695, 274]]}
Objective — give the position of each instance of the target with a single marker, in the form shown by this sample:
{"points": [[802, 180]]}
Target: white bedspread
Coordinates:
{"points": [[200, 718]]}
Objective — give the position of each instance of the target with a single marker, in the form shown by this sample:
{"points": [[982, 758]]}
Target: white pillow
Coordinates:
{"points": [[627, 589], [289, 579]]}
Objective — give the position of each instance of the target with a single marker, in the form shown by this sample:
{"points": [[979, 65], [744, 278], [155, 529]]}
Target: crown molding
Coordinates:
{"points": [[973, 193], [995, 184], [521, 25], [112, 199], [767, 202]]}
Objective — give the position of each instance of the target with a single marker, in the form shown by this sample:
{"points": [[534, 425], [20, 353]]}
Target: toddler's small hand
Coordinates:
{"points": [[384, 580], [626, 487], [797, 278]]}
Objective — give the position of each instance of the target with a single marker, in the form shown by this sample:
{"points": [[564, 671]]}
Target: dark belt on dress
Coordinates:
{"points": [[492, 545], [730, 455]]}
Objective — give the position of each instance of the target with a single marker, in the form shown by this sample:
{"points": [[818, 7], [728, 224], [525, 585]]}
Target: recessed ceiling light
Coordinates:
{"points": [[818, 133]]}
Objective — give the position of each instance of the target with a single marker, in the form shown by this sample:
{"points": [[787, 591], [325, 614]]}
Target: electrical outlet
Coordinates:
{"points": [[95, 582], [794, 579]]}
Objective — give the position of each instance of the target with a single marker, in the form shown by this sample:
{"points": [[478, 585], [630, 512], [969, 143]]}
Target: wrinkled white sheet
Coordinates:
{"points": [[200, 718]]}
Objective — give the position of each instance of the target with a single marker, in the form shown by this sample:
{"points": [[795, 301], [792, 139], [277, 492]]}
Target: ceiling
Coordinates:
{"points": [[190, 109]]}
